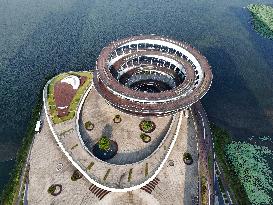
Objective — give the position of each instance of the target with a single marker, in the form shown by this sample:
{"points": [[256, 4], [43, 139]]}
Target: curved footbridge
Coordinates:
{"points": [[109, 176]]}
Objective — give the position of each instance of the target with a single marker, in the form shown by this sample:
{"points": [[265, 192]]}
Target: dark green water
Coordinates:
{"points": [[39, 38]]}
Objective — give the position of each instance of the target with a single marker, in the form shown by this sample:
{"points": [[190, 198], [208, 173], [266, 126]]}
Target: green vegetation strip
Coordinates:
{"points": [[204, 195], [262, 19], [146, 169], [106, 175], [10, 192], [90, 165], [221, 140], [130, 174], [75, 101]]}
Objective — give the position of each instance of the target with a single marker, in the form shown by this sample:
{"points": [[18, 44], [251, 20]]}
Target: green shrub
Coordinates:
{"points": [[147, 126], [51, 189], [76, 175], [89, 125], [104, 143], [145, 138], [203, 190]]}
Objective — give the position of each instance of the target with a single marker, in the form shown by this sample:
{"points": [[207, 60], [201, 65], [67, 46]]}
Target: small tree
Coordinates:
{"points": [[104, 143]]}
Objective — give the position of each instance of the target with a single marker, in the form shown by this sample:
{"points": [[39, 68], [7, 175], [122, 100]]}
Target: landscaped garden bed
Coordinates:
{"points": [[145, 138], [55, 189], [89, 125], [76, 175], [69, 111], [105, 148], [147, 126]]}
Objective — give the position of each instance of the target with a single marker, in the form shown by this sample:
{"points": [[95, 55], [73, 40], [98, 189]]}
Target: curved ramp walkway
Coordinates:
{"points": [[104, 175]]}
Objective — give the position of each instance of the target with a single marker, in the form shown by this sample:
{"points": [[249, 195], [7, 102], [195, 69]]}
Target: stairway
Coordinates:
{"points": [[98, 192], [151, 185]]}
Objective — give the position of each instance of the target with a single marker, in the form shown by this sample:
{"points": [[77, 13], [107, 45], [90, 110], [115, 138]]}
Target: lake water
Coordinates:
{"points": [[39, 38]]}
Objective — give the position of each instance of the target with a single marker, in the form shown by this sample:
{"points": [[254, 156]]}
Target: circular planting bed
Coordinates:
{"points": [[187, 158], [145, 138], [117, 119], [105, 148], [147, 126], [76, 175], [55, 189], [89, 125]]}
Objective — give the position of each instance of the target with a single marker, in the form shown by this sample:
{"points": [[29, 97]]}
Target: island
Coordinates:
{"points": [[262, 19]]}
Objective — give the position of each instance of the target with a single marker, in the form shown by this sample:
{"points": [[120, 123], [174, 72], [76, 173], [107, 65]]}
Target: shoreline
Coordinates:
{"points": [[10, 191]]}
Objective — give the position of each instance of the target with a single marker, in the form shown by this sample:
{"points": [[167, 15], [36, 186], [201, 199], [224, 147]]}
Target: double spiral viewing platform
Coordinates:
{"points": [[151, 75], [140, 78]]}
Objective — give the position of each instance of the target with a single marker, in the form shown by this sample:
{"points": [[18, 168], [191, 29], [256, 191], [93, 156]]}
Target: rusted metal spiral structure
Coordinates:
{"points": [[151, 75]]}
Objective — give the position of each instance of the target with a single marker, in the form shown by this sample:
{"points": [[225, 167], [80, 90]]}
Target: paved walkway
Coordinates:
{"points": [[205, 149], [45, 157], [178, 180], [131, 148], [110, 176]]}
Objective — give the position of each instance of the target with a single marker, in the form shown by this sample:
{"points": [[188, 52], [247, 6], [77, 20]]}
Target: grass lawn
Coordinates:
{"points": [[76, 99]]}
